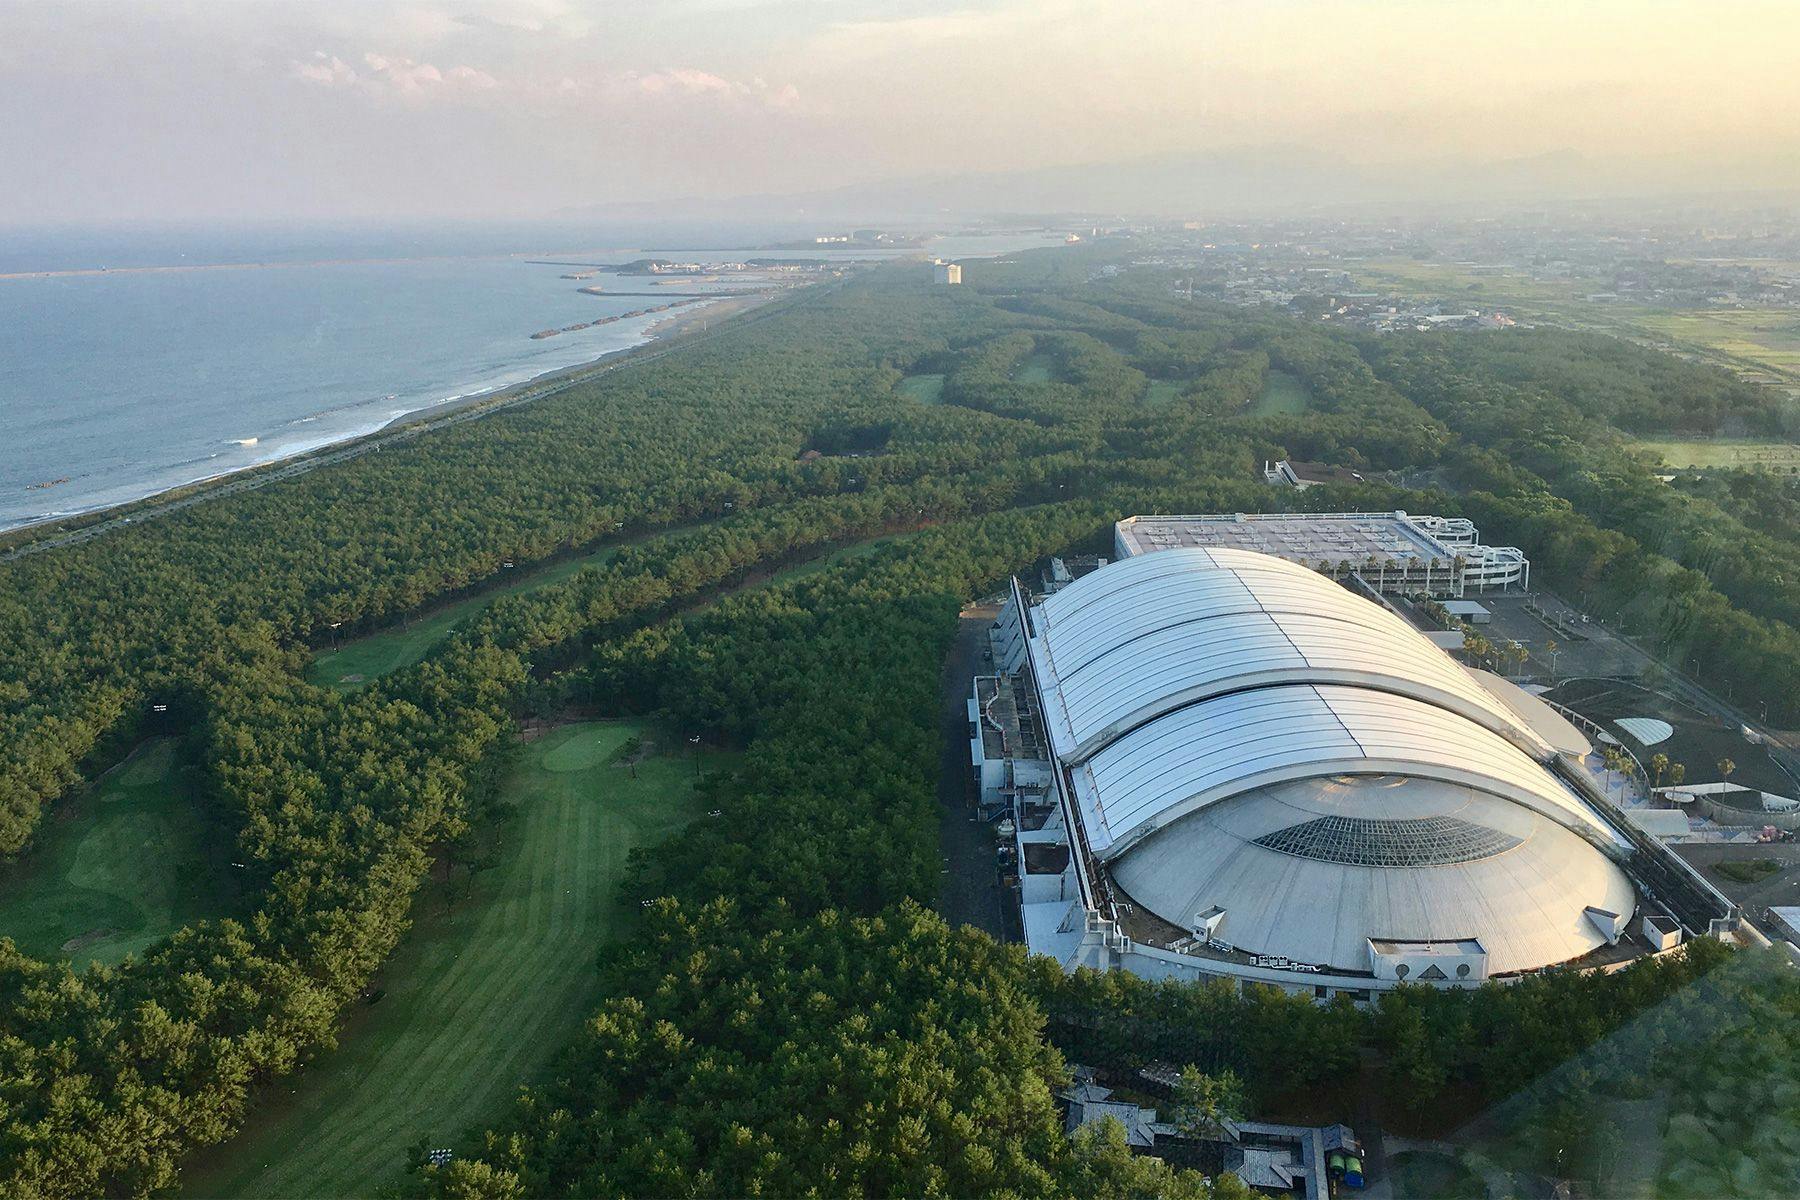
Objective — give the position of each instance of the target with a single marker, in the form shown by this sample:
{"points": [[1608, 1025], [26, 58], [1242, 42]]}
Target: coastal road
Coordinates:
{"points": [[258, 477]]}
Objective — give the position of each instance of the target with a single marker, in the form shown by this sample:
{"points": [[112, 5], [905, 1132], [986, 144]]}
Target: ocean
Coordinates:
{"points": [[120, 384]]}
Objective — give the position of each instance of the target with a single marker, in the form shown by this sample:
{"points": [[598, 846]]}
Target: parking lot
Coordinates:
{"points": [[1582, 648]]}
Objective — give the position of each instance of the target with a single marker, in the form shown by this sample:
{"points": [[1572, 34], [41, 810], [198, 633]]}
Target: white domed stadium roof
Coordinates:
{"points": [[1241, 733], [1150, 634], [1316, 869]]}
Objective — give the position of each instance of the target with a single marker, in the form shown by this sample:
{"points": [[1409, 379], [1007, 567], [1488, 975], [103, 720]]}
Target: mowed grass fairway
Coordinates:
{"points": [[926, 389], [1037, 368], [481, 996], [1282, 394], [117, 868], [356, 661]]}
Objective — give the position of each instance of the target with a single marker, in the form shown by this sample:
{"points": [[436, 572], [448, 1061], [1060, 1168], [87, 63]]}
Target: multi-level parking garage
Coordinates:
{"points": [[1427, 555], [1249, 770]]}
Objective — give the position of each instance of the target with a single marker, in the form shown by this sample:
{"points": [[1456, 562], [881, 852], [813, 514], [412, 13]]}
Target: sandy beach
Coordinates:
{"points": [[691, 318], [27, 538]]}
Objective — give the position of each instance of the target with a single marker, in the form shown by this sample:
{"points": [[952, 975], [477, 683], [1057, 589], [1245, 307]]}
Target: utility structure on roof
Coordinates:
{"points": [[1249, 770], [1393, 551]]}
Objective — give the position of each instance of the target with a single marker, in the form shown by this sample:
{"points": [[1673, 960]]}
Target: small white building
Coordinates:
{"points": [[1469, 611], [946, 272]]}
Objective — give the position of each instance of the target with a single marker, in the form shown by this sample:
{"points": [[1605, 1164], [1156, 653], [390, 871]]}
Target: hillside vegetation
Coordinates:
{"points": [[791, 1018]]}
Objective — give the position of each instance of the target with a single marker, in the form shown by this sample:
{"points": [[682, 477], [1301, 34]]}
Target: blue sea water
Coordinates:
{"points": [[116, 386]]}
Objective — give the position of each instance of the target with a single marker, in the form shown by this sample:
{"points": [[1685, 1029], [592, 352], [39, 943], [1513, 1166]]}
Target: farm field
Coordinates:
{"points": [[1282, 394], [481, 993], [1760, 337], [1726, 452], [926, 389], [117, 869], [1459, 281]]}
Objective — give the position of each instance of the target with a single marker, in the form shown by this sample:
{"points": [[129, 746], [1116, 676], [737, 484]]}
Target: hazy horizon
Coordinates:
{"points": [[534, 109]]}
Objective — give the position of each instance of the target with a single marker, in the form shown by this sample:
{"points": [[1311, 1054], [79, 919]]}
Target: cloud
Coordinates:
{"points": [[469, 77], [391, 75], [691, 82], [687, 80], [328, 70]]}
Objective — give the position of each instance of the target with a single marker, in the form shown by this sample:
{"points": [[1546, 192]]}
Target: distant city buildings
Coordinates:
{"points": [[946, 272]]}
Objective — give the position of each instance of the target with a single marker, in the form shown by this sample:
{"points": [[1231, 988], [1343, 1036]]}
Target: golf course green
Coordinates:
{"points": [[483, 990]]}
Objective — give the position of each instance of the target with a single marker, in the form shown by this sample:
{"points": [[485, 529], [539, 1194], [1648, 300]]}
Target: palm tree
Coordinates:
{"points": [[1726, 767], [1659, 763], [1619, 761], [1476, 646], [1552, 649]]}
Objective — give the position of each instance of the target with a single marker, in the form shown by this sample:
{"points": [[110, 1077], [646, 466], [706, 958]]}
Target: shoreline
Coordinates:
{"points": [[658, 331], [31, 537]]}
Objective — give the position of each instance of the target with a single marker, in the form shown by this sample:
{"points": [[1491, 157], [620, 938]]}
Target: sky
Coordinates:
{"points": [[355, 109]]}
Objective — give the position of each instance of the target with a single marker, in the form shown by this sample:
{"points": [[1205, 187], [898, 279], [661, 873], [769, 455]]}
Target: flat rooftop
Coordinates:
{"points": [[1009, 726], [1458, 946], [1299, 537]]}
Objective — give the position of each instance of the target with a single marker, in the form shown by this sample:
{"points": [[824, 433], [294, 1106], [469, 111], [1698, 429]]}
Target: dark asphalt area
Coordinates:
{"points": [[970, 893]]}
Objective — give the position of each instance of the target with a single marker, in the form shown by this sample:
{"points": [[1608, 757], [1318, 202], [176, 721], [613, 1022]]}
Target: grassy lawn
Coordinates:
{"points": [[1753, 870], [1725, 452], [1038, 368], [926, 389], [1162, 391], [118, 867], [1282, 394], [481, 995]]}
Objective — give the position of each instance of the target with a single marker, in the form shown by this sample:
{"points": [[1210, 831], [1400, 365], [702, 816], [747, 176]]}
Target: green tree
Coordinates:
{"points": [[1205, 1102]]}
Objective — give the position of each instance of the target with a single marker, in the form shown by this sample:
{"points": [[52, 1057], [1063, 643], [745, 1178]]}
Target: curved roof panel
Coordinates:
{"points": [[1523, 892], [1151, 634], [1219, 748]]}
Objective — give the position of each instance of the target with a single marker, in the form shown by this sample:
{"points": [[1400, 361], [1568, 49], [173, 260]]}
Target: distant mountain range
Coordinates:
{"points": [[1252, 181]]}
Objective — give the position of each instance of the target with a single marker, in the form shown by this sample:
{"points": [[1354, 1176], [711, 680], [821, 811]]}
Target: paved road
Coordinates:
{"points": [[293, 468], [970, 894]]}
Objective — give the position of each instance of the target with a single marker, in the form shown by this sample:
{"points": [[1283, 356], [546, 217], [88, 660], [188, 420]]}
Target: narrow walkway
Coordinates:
{"points": [[970, 893]]}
